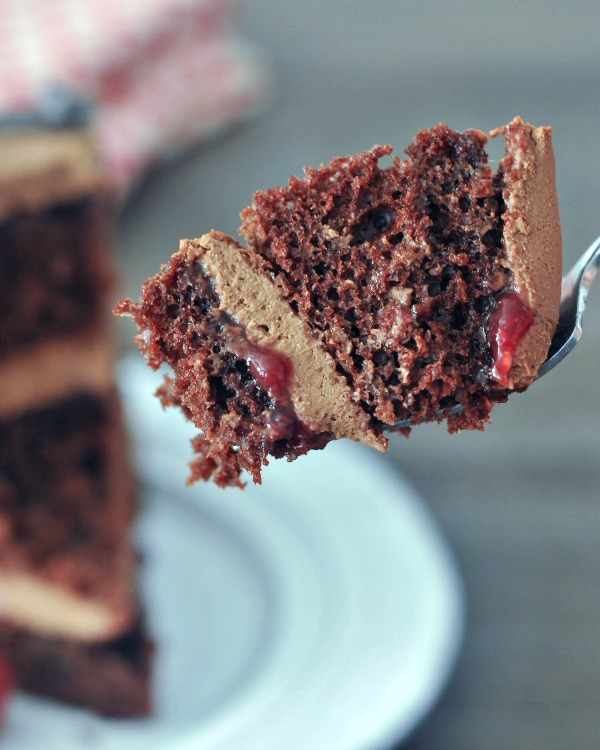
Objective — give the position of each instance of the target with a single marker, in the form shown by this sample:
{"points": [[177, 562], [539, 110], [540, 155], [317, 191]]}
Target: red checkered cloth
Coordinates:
{"points": [[160, 74]]}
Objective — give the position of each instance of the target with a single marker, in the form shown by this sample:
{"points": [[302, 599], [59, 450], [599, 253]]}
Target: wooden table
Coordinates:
{"points": [[519, 503]]}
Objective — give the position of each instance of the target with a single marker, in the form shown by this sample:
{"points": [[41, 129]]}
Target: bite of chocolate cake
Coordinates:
{"points": [[366, 296]]}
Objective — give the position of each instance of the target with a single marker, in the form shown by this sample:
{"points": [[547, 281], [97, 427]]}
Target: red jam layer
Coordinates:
{"points": [[509, 322], [273, 373], [271, 370]]}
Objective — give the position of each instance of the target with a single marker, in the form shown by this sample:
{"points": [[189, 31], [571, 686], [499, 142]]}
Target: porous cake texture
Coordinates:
{"points": [[367, 298]]}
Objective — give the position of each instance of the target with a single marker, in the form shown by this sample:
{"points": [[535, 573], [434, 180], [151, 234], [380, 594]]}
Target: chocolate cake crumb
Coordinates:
{"points": [[409, 251], [404, 280]]}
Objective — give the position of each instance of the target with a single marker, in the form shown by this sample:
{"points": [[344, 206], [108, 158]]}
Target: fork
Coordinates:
{"points": [[574, 291], [575, 287]]}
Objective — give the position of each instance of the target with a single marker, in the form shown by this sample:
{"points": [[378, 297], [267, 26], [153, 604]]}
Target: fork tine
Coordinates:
{"points": [[575, 288]]}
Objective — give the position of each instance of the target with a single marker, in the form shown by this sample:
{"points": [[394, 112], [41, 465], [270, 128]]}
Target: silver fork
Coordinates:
{"points": [[575, 287], [574, 291]]}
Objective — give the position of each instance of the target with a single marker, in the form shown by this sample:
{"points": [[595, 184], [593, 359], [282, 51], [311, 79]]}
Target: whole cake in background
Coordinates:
{"points": [[369, 298], [71, 624]]}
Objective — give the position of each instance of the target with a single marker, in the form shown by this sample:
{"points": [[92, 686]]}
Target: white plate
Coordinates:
{"points": [[321, 611]]}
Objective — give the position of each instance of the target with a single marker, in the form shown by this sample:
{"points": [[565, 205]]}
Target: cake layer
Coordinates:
{"points": [[54, 272], [41, 168], [67, 500], [54, 369], [112, 678]]}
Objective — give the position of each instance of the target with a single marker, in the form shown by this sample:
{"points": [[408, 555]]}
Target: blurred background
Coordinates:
{"points": [[519, 503]]}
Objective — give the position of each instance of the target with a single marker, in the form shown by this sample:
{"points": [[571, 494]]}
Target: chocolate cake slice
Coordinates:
{"points": [[367, 298], [71, 623]]}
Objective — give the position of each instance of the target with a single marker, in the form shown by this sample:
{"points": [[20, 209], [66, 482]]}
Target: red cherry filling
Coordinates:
{"points": [[273, 373], [271, 370], [7, 685], [509, 322]]}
